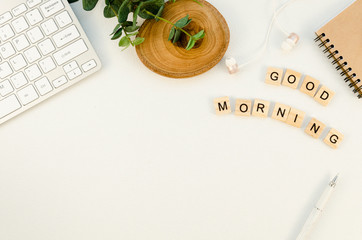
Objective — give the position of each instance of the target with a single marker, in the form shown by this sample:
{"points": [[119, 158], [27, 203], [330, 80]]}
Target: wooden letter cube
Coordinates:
{"points": [[315, 128], [243, 107], [291, 79], [309, 86], [222, 105], [281, 112], [261, 108], [274, 76], [295, 118], [334, 138], [324, 96]]}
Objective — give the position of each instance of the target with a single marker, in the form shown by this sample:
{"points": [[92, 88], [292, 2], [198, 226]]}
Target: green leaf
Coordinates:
{"points": [[182, 22], [72, 1], [131, 28], [127, 23], [177, 36], [160, 11], [199, 35], [123, 11], [126, 47], [116, 28], [124, 42], [116, 4], [172, 33], [89, 4], [135, 14], [138, 41], [132, 34], [152, 6], [108, 12], [190, 44], [198, 3], [118, 34]]}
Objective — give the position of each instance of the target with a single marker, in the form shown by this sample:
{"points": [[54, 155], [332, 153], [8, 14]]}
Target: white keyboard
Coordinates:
{"points": [[43, 50]]}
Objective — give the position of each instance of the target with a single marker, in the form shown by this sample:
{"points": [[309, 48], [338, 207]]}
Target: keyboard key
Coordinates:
{"points": [[70, 66], [32, 54], [63, 19], [5, 17], [6, 32], [19, 9], [46, 47], [27, 95], [60, 81], [69, 52], [21, 42], [49, 27], [35, 35], [34, 17], [32, 72], [33, 3], [18, 62], [38, 40], [43, 86], [9, 105], [47, 64], [89, 65], [5, 88], [74, 73], [20, 24], [7, 50], [19, 80], [5, 70], [66, 36], [51, 7]]}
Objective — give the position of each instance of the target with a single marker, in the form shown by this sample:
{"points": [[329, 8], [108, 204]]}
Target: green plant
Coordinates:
{"points": [[177, 28], [146, 9]]}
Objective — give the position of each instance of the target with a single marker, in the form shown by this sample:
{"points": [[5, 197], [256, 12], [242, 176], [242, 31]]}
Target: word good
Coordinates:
{"points": [[274, 76], [280, 112]]}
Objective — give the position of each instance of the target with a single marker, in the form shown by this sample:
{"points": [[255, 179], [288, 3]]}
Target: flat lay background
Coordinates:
{"points": [[128, 154]]}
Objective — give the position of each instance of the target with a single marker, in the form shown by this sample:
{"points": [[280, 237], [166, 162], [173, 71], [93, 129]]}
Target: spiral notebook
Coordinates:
{"points": [[342, 39]]}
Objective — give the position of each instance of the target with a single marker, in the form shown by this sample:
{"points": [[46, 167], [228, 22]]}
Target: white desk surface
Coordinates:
{"points": [[128, 154]]}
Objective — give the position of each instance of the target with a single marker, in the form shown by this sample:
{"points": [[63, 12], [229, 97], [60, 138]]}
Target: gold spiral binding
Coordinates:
{"points": [[342, 65]]}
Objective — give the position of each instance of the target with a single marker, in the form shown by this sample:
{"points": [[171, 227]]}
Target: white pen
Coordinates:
{"points": [[317, 210]]}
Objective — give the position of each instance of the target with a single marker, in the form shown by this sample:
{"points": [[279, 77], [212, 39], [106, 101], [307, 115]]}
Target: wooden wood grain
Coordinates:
{"points": [[243, 107], [296, 118], [173, 60], [333, 139], [310, 86], [261, 108], [222, 105], [274, 76], [315, 128], [291, 79], [324, 96], [281, 112]]}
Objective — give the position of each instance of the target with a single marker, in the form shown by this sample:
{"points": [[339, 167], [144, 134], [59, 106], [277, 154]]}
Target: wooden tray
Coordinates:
{"points": [[172, 60]]}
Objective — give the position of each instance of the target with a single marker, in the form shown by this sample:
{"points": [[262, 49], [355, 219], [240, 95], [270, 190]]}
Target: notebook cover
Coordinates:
{"points": [[345, 33]]}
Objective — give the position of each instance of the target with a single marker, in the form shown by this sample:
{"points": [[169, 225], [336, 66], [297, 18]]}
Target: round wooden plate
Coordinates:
{"points": [[173, 60]]}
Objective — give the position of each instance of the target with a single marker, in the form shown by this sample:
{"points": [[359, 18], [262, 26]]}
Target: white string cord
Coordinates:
{"points": [[277, 19], [264, 46]]}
